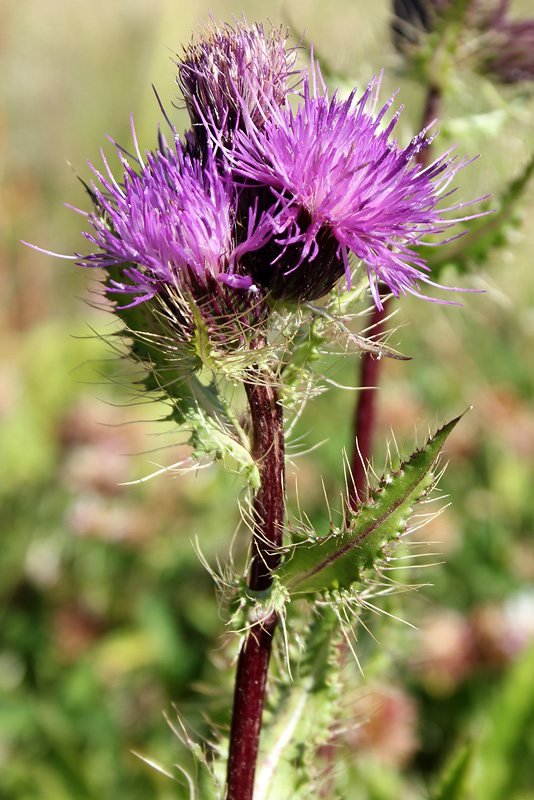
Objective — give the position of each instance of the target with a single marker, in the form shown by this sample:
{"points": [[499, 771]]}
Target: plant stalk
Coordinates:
{"points": [[268, 510], [365, 416], [365, 411]]}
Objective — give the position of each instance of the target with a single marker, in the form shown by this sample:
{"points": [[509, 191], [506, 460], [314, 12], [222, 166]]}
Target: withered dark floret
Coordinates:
{"points": [[233, 69]]}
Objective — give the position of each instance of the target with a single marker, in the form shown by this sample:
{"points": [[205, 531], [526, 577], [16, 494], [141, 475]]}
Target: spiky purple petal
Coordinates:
{"points": [[336, 177], [169, 220]]}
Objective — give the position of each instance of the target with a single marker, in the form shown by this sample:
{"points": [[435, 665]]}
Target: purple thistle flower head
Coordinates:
{"points": [[168, 229], [261, 199], [338, 184], [232, 69]]}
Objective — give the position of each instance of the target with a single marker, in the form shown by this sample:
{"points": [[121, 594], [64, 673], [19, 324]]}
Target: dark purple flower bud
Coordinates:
{"points": [[234, 68], [414, 19], [168, 228], [509, 52], [485, 36], [337, 183]]}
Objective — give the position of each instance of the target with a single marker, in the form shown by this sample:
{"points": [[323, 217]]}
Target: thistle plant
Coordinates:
{"points": [[241, 255]]}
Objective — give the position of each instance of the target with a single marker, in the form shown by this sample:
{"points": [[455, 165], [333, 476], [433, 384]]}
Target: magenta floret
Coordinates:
{"points": [[169, 222], [339, 184], [268, 200]]}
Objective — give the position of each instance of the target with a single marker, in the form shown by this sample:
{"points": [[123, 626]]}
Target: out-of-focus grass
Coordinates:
{"points": [[107, 618]]}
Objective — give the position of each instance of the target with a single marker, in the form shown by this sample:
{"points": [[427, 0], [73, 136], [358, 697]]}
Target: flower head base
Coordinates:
{"points": [[232, 70], [337, 184], [168, 229]]}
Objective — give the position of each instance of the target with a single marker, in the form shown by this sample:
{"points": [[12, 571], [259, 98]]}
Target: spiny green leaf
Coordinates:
{"points": [[508, 732], [454, 784], [206, 782], [169, 374], [304, 350], [336, 561], [300, 714], [172, 370], [211, 438]]}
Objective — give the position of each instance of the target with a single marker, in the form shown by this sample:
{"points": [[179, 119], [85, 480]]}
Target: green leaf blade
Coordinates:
{"points": [[335, 562]]}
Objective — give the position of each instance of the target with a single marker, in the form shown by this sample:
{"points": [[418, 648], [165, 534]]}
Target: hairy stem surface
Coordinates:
{"points": [[268, 516]]}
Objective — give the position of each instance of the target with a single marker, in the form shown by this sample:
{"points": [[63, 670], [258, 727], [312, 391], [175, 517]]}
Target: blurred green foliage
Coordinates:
{"points": [[107, 618]]}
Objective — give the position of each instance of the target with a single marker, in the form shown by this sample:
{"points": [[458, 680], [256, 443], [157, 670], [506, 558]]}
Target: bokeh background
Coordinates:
{"points": [[109, 629]]}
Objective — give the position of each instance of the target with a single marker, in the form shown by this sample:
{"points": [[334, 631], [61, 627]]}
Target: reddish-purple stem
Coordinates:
{"points": [[365, 411], [365, 416], [268, 515], [249, 695]]}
